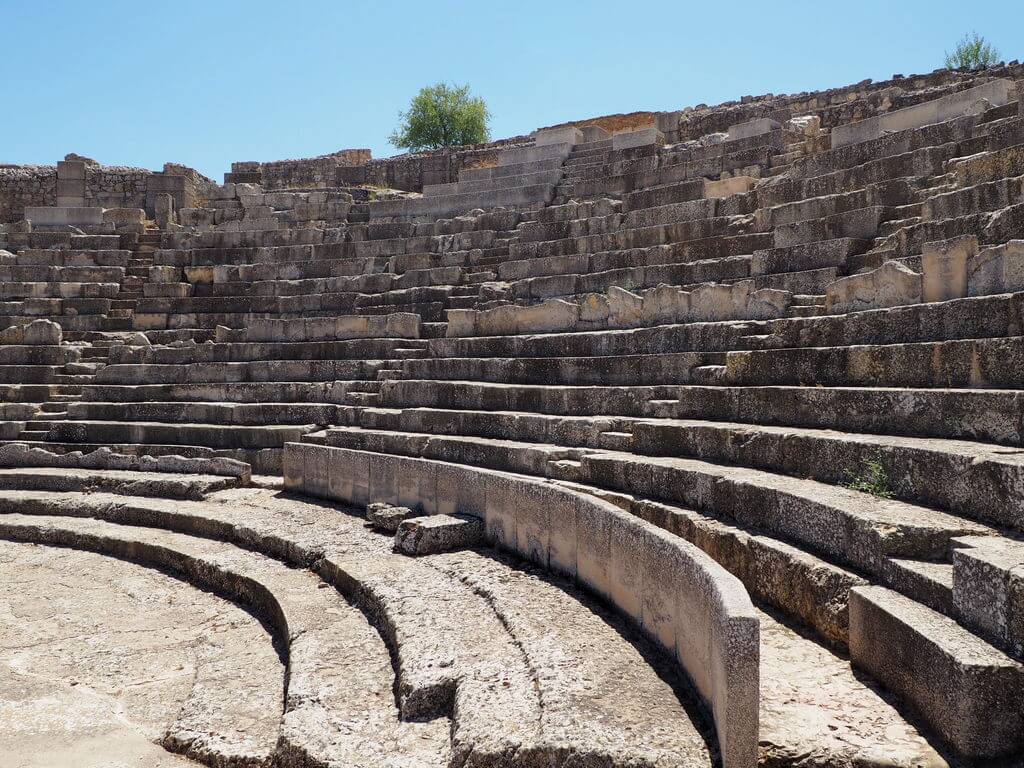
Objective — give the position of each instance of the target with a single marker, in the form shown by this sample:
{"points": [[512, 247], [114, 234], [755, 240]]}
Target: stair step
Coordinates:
{"points": [[33, 435], [616, 441], [707, 374]]}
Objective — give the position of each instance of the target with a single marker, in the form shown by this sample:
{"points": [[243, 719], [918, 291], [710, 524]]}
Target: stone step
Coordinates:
{"points": [[33, 435], [851, 528], [618, 370], [957, 475], [330, 682], [975, 363], [795, 714], [250, 371], [478, 635], [981, 415], [239, 414], [916, 652], [221, 436]]}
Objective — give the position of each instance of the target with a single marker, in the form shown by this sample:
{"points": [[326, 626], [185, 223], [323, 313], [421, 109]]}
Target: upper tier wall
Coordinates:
{"points": [[23, 187]]}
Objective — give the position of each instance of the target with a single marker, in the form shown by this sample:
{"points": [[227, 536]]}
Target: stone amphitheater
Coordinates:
{"points": [[683, 438]]}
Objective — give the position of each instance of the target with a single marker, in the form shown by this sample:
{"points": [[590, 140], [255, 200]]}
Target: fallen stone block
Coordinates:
{"points": [[387, 517], [433, 534], [136, 339]]}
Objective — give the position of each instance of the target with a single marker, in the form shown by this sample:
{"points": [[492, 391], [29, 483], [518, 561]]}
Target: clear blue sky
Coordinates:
{"points": [[206, 82]]}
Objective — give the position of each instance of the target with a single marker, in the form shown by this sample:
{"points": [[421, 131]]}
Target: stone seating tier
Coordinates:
{"points": [[780, 367]]}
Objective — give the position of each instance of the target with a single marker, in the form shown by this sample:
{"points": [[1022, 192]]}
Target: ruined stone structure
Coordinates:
{"points": [[669, 439]]}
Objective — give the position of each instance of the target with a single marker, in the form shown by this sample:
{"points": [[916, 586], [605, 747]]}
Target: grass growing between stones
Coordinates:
{"points": [[873, 478]]}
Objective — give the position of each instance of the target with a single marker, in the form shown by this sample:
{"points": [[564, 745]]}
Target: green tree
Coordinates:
{"points": [[972, 52], [442, 115]]}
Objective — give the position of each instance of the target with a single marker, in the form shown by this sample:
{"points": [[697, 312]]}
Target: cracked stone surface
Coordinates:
{"points": [[99, 656]]}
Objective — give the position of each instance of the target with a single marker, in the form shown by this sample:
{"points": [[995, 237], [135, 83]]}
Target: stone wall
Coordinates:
{"points": [[412, 171], [116, 186], [104, 187], [315, 172], [304, 173], [25, 186]]}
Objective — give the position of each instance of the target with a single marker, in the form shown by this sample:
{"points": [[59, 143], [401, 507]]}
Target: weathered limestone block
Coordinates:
{"points": [[52, 216], [167, 290], [988, 588], [401, 326], [461, 322], [752, 128], [737, 301], [549, 316], [123, 217], [552, 315], [163, 208], [165, 275], [966, 689], [736, 185], [23, 455], [438, 533], [664, 304], [566, 134], [595, 309], [891, 285], [808, 125], [986, 167], [197, 217], [42, 332], [637, 138], [625, 308], [387, 517], [500, 321], [224, 335], [136, 339], [999, 269], [404, 325], [944, 265], [199, 275], [594, 133]]}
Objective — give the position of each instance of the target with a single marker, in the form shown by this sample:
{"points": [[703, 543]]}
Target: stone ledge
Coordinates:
{"points": [[23, 455], [676, 593]]}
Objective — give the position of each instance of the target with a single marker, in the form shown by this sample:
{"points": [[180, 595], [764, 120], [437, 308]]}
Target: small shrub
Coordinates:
{"points": [[972, 52], [873, 478]]}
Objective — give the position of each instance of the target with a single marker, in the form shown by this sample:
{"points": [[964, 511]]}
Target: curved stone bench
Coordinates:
{"points": [[678, 595]]}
